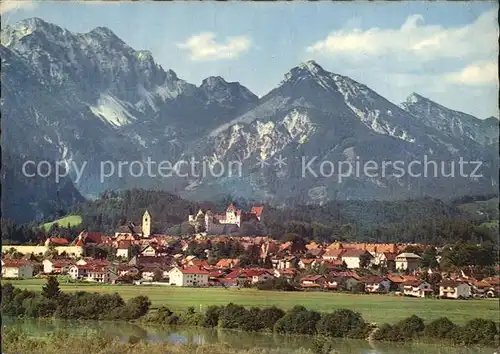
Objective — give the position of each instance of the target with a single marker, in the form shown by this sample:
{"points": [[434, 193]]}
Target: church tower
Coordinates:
{"points": [[146, 224]]}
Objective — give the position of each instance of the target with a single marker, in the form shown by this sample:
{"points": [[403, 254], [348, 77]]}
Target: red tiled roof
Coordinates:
{"points": [[61, 263], [334, 253], [14, 263], [312, 278], [257, 210], [307, 260], [256, 272], [227, 262], [193, 270], [450, 283], [58, 241], [390, 256], [124, 244], [372, 279], [353, 252]]}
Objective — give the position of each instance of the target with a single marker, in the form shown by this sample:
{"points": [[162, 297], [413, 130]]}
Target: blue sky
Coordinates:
{"points": [[446, 51]]}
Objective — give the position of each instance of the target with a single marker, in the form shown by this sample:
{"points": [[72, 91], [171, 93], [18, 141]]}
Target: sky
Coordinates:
{"points": [[446, 51]]}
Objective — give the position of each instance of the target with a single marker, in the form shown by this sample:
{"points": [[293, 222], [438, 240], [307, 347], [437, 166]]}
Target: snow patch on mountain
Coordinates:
{"points": [[299, 126], [112, 111]]}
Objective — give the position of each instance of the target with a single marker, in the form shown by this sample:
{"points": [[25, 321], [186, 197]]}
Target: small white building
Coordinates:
{"points": [[58, 266], [189, 276], [352, 257], [417, 288], [410, 261], [17, 268], [92, 273], [453, 289]]}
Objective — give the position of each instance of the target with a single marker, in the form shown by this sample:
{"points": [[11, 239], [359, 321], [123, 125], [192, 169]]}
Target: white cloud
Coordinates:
{"points": [[204, 47], [415, 38], [455, 66], [476, 74], [13, 5]]}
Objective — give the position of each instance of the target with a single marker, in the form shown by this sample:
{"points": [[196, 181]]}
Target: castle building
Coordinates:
{"points": [[219, 223]]}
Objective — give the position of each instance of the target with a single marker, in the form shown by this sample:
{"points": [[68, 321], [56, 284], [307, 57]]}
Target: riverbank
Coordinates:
{"points": [[373, 307], [118, 337], [326, 327]]}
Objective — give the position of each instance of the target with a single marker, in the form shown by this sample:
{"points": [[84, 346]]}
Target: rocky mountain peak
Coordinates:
{"points": [[104, 33], [214, 81], [414, 98], [308, 69]]}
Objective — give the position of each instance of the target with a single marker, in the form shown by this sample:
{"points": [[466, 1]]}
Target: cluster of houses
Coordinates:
{"points": [[165, 259], [192, 272]]}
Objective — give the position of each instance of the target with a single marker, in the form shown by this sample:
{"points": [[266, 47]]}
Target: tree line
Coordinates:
{"points": [[341, 323]]}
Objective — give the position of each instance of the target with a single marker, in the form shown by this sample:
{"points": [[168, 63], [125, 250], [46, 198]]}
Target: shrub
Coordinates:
{"points": [[298, 321], [270, 315], [190, 318], [232, 316], [212, 316], [479, 331], [340, 323], [441, 328], [410, 327]]}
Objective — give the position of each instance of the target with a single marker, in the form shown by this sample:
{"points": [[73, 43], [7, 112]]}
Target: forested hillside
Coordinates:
{"points": [[424, 220], [415, 220]]}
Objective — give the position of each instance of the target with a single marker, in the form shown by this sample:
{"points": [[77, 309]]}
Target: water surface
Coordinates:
{"points": [[236, 339]]}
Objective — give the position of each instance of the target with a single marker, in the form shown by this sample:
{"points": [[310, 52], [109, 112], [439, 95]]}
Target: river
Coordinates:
{"points": [[236, 339]]}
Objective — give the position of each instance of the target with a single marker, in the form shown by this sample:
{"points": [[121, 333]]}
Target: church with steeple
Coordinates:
{"points": [[132, 231]]}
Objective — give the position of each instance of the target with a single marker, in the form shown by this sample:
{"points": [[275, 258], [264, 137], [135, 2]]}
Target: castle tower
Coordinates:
{"points": [[146, 224]]}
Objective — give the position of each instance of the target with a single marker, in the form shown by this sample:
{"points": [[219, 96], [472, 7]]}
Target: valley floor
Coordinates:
{"points": [[373, 308]]}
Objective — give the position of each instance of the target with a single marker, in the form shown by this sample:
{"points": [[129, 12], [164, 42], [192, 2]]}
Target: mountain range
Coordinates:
{"points": [[89, 97]]}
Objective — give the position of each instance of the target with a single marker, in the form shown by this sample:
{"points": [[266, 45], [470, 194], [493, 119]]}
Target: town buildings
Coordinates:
{"points": [[17, 268]]}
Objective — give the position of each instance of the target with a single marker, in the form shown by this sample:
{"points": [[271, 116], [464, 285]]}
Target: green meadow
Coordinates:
{"points": [[374, 308], [70, 220]]}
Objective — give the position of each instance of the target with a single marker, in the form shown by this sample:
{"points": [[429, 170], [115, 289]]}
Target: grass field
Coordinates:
{"points": [[374, 308], [70, 220]]}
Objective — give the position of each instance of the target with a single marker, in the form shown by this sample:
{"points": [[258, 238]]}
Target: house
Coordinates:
{"points": [[333, 254], [149, 251], [353, 257], [92, 261], [386, 259], [407, 261], [480, 288], [288, 273], [306, 263], [285, 262], [332, 265], [452, 289], [125, 269], [56, 241], [56, 266], [189, 276], [149, 271], [88, 238], [92, 273], [123, 249], [375, 284], [228, 263], [258, 275], [313, 281], [417, 288], [315, 252], [17, 268]]}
